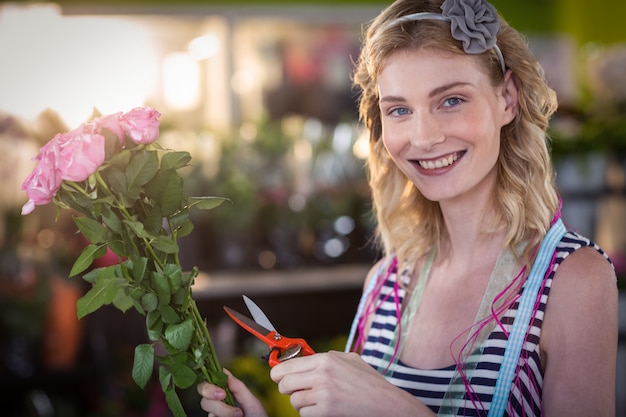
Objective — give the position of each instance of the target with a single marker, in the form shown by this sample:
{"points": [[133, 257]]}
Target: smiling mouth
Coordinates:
{"points": [[440, 163]]}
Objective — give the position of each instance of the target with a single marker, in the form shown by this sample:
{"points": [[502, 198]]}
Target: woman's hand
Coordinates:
{"points": [[341, 384], [213, 396]]}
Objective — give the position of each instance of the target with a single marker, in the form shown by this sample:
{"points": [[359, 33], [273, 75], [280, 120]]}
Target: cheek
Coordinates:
{"points": [[392, 140]]}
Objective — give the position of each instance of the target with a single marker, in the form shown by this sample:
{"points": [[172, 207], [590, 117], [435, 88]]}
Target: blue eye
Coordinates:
{"points": [[399, 111], [453, 101]]}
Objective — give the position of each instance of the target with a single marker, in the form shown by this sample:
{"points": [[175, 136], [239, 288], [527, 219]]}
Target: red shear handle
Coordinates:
{"points": [[294, 348]]}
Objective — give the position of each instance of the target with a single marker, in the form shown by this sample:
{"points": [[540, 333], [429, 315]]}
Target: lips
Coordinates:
{"points": [[444, 162]]}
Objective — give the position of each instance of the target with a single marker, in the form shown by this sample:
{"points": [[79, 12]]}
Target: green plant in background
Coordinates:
{"points": [[289, 181]]}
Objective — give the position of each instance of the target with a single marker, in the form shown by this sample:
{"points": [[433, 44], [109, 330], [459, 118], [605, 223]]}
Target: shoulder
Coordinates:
{"points": [[579, 333], [583, 300], [583, 264]]}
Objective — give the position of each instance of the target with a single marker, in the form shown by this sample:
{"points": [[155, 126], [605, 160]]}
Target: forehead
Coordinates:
{"points": [[428, 68]]}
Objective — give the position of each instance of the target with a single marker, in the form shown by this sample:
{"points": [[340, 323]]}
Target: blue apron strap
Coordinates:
{"points": [[522, 319]]}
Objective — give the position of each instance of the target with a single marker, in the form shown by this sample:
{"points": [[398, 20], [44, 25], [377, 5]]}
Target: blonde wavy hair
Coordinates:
{"points": [[525, 197]]}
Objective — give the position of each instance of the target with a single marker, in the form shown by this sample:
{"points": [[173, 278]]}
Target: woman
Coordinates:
{"points": [[457, 110]]}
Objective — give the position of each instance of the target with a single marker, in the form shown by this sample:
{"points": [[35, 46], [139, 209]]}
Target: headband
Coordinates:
{"points": [[473, 22]]}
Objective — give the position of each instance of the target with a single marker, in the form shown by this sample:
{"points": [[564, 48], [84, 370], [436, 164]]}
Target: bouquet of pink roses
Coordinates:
{"points": [[129, 195]]}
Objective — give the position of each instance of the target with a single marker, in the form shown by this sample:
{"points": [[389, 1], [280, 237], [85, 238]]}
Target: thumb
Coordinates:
{"points": [[246, 400], [235, 385]]}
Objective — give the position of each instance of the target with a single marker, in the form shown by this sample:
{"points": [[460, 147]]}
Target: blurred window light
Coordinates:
{"points": [[361, 147], [245, 80], [204, 47], [72, 64], [181, 81], [297, 202], [344, 225], [335, 247], [342, 137], [303, 150]]}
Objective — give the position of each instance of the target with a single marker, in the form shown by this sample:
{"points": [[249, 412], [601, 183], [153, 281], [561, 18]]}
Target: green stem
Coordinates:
{"points": [[202, 333], [175, 238], [75, 186]]}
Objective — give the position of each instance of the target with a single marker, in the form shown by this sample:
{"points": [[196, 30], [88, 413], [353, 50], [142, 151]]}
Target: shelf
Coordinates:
{"points": [[226, 284]]}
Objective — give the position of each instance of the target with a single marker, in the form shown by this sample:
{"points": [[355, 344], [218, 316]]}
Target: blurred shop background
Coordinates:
{"points": [[260, 94]]}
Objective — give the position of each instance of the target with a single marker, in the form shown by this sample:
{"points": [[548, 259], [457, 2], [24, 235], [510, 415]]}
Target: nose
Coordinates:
{"points": [[426, 132]]}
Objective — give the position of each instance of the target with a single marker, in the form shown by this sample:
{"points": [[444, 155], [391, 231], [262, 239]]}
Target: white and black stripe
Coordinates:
{"points": [[431, 385]]}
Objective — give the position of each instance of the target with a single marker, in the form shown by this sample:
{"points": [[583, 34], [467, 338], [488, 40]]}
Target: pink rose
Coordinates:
{"points": [[141, 124], [43, 183], [80, 153], [110, 122]]}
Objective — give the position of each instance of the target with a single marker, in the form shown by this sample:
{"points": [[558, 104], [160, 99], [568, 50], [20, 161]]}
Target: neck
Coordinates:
{"points": [[469, 232]]}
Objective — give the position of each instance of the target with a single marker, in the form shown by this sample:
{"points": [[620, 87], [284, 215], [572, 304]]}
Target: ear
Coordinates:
{"points": [[510, 95]]}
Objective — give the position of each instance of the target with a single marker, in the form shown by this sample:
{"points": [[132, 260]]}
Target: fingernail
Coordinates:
{"points": [[238, 413], [219, 395]]}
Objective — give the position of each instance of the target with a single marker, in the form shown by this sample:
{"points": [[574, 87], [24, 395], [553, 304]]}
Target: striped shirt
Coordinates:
{"points": [[430, 386]]}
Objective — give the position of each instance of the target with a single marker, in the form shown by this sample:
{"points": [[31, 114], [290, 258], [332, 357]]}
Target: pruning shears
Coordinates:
{"points": [[281, 348]]}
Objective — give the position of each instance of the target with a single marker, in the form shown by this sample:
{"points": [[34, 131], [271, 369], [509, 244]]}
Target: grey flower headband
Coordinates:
{"points": [[473, 22]]}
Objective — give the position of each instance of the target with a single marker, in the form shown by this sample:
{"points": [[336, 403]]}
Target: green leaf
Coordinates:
{"points": [[149, 302], [179, 335], [199, 355], [153, 222], [139, 269], [169, 316], [206, 203], [122, 300], [180, 357], [116, 180], [142, 168], [110, 219], [100, 273], [179, 218], [138, 229], [103, 292], [132, 194], [165, 244], [165, 377], [160, 284], [178, 297], [152, 317], [136, 293], [171, 198], [189, 277], [183, 376], [118, 247], [185, 229], [120, 159], [86, 257], [174, 404], [143, 364], [175, 160], [174, 276], [93, 230], [138, 307], [219, 378], [154, 324]]}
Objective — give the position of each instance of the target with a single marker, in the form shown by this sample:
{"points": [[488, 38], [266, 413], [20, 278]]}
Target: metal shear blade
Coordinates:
{"points": [[281, 348], [257, 314]]}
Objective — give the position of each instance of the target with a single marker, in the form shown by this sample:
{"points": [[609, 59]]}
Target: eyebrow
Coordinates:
{"points": [[446, 87], [431, 94]]}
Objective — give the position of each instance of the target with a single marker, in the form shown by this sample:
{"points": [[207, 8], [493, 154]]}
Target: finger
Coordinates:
{"points": [[245, 397], [219, 408], [212, 401], [295, 365], [210, 391]]}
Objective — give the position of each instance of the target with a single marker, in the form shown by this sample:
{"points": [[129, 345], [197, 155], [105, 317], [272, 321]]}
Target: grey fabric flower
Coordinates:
{"points": [[474, 22]]}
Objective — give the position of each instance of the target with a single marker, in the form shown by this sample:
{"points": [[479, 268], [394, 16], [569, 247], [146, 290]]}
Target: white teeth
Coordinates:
{"points": [[439, 163]]}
